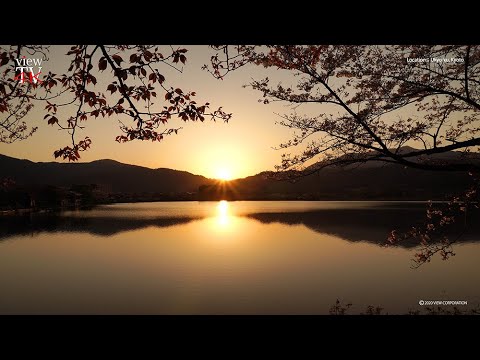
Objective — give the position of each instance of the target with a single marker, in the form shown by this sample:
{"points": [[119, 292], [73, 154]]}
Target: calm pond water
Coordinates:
{"points": [[225, 258]]}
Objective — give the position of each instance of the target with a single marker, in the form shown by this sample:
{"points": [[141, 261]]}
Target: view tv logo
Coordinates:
{"points": [[25, 70]]}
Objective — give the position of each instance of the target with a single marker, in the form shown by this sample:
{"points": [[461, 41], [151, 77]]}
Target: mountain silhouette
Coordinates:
{"points": [[112, 175], [364, 181], [370, 181]]}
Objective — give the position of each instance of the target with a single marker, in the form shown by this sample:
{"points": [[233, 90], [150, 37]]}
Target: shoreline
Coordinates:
{"points": [[24, 211]]}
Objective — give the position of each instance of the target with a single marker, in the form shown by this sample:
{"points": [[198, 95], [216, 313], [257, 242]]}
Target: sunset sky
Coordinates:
{"points": [[240, 148]]}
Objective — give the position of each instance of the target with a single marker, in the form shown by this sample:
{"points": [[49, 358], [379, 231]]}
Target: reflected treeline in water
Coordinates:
{"points": [[370, 223], [31, 224]]}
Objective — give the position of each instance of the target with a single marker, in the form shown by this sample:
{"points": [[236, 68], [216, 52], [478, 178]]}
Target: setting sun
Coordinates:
{"points": [[232, 180], [224, 174]]}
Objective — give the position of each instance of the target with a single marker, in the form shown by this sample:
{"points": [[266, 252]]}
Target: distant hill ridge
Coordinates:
{"points": [[116, 176], [375, 181]]}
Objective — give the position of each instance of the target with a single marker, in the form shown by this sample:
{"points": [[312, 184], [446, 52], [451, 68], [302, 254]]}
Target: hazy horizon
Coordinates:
{"points": [[107, 159]]}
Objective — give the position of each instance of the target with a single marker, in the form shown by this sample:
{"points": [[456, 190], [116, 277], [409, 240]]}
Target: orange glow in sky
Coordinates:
{"points": [[237, 149]]}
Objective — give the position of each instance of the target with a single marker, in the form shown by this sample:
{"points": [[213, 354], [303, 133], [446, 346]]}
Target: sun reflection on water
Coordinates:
{"points": [[223, 215], [224, 222]]}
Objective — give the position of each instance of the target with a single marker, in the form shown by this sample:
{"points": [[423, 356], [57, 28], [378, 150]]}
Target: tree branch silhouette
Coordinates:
{"points": [[135, 82]]}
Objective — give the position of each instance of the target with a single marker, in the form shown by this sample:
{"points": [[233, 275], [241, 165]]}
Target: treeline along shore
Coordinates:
{"points": [[31, 186]]}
